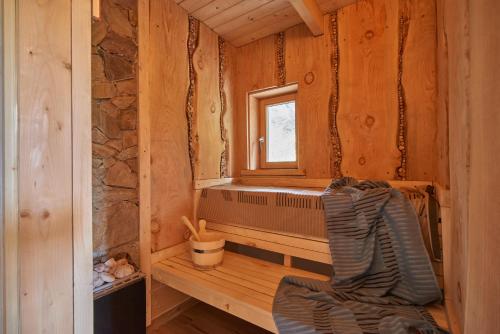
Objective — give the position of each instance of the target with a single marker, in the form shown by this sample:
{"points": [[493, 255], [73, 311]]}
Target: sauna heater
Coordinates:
{"points": [[121, 309]]}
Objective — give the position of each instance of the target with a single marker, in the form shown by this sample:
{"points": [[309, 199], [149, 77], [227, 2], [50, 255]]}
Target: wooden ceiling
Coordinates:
{"points": [[243, 21]]}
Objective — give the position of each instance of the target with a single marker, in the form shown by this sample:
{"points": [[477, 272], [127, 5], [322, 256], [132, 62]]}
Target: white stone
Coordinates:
{"points": [[110, 266], [98, 282], [99, 267], [107, 277], [124, 270]]}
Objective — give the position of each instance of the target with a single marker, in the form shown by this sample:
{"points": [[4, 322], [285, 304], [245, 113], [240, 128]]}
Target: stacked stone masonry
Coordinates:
{"points": [[114, 130]]}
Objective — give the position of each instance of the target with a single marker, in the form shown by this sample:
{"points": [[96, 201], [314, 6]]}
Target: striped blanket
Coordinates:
{"points": [[382, 272]]}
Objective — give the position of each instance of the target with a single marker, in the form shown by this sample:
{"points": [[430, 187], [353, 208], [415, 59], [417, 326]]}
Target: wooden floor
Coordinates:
{"points": [[204, 319]]}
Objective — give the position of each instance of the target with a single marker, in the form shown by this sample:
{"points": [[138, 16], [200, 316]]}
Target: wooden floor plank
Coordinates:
{"points": [[205, 319]]}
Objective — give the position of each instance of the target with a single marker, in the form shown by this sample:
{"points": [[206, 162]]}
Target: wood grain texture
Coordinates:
{"points": [[420, 87], [442, 165], [308, 63], [472, 33], [259, 55], [368, 91], [368, 104], [81, 125], [241, 22], [144, 143], [209, 143], [45, 174], [10, 175], [189, 129], [205, 319], [171, 184], [311, 14], [457, 29]]}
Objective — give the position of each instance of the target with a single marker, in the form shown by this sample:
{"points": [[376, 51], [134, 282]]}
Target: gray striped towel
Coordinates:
{"points": [[382, 274]]}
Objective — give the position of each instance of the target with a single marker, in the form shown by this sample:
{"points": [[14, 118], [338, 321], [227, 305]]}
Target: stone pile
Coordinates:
{"points": [[109, 271], [114, 129]]}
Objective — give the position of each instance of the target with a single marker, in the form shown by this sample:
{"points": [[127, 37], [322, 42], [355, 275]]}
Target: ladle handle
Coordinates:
{"points": [[202, 223], [190, 227]]}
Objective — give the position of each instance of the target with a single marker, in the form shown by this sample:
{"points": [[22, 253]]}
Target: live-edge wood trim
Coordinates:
{"points": [[144, 142], [333, 104], [404, 24], [191, 96]]}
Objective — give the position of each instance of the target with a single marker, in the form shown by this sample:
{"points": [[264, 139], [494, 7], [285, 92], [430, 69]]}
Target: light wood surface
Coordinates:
{"points": [[456, 28], [203, 319], [144, 142], [368, 117], [419, 80], [165, 300], [483, 262], [81, 125], [171, 180], [96, 8], [208, 131], [311, 14], [241, 22], [368, 106], [242, 286], [309, 59], [45, 171], [10, 175], [171, 183], [470, 49]]}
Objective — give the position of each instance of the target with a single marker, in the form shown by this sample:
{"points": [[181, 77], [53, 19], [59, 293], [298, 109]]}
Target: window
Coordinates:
{"points": [[277, 132]]}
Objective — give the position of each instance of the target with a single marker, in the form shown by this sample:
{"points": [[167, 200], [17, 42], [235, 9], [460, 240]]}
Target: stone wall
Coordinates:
{"points": [[114, 130]]}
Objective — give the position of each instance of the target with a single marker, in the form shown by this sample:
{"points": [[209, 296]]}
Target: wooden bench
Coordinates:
{"points": [[245, 286]]}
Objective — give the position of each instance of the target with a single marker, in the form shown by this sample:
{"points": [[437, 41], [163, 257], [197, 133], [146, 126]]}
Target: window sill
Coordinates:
{"points": [[274, 172]]}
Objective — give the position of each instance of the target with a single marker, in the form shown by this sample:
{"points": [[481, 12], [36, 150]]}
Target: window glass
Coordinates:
{"points": [[281, 138]]}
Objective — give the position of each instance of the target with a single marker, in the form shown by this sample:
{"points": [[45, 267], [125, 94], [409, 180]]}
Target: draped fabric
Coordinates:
{"points": [[382, 274]]}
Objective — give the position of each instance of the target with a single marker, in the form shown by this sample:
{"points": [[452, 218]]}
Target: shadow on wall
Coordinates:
{"points": [[114, 130]]}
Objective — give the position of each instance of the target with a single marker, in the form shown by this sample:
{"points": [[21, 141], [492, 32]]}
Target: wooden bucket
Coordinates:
{"points": [[208, 253]]}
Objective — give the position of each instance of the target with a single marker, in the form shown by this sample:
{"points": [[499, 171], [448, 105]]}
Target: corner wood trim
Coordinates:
{"points": [[333, 105], [192, 45], [224, 157], [404, 23], [279, 42]]}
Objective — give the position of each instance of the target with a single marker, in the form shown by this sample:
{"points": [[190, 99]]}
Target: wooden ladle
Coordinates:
{"points": [[190, 227], [202, 223]]}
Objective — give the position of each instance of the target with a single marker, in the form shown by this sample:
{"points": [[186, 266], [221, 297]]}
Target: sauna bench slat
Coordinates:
{"points": [[242, 286]]}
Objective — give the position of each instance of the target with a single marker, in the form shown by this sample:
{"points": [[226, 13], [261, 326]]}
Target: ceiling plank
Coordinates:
{"points": [[235, 12], [310, 12], [193, 5], [244, 23], [328, 6]]}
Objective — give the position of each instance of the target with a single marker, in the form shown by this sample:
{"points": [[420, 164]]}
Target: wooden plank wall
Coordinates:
{"points": [[173, 168], [368, 35], [168, 94], [468, 52], [55, 213], [45, 178]]}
